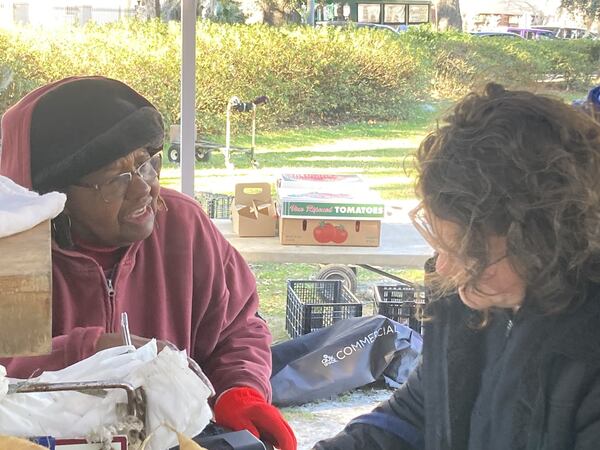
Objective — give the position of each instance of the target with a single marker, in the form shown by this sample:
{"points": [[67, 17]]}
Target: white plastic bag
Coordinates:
{"points": [[22, 209], [3, 382], [174, 395]]}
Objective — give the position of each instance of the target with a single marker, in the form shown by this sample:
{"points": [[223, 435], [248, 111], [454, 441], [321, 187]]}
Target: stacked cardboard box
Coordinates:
{"points": [[319, 209]]}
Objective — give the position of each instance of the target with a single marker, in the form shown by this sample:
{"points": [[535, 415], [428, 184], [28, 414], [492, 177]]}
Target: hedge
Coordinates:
{"points": [[323, 75], [459, 63]]}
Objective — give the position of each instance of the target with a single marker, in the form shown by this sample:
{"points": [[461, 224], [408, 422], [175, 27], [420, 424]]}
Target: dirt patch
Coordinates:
{"points": [[315, 421]]}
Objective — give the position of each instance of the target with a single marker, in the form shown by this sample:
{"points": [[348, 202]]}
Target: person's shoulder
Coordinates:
{"points": [[173, 197], [586, 313], [181, 211], [577, 331], [447, 313], [181, 206], [187, 216], [449, 305]]}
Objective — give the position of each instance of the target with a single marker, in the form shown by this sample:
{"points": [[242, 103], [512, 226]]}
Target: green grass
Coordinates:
{"points": [[380, 152], [320, 135], [272, 279]]}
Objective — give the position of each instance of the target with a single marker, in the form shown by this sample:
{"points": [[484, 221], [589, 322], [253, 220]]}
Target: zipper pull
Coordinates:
{"points": [[111, 290], [509, 327]]}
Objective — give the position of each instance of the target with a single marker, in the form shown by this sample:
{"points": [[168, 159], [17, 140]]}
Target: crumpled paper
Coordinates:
{"points": [[22, 209], [175, 395]]}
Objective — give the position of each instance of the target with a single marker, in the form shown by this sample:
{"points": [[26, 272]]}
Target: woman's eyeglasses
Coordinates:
{"points": [[116, 187], [418, 217]]}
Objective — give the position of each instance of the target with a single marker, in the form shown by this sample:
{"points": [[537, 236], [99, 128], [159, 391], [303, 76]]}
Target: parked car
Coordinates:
{"points": [[569, 32], [349, 24], [502, 34], [377, 26], [532, 33]]}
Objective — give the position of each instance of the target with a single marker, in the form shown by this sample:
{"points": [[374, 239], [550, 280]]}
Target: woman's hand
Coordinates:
{"points": [[243, 408]]}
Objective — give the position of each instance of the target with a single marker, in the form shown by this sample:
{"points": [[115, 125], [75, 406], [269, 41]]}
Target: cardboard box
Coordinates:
{"points": [[304, 180], [328, 210], [253, 211], [26, 292], [358, 233]]}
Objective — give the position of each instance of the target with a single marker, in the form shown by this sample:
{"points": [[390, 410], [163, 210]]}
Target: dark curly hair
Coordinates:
{"points": [[524, 166]]}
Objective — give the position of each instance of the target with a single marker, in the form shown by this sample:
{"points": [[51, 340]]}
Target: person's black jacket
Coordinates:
{"points": [[559, 392]]}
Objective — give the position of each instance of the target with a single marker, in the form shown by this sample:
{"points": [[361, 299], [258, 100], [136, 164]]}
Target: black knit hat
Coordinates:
{"points": [[85, 124]]}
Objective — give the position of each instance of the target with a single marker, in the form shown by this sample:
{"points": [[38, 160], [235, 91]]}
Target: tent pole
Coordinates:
{"points": [[188, 95]]}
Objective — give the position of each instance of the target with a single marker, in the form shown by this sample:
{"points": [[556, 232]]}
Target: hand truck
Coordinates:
{"points": [[203, 148]]}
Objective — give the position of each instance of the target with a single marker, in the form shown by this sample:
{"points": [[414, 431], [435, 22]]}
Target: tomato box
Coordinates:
{"points": [[319, 209], [316, 180], [359, 233]]}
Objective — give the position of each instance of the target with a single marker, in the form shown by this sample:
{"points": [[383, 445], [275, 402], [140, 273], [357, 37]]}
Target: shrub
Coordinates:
{"points": [[323, 75], [460, 62]]}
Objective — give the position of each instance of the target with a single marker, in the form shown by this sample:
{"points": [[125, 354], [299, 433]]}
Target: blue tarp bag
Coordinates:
{"points": [[349, 354]]}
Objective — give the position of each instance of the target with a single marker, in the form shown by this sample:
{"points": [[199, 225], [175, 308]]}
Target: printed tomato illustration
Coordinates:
{"points": [[340, 234], [324, 232]]}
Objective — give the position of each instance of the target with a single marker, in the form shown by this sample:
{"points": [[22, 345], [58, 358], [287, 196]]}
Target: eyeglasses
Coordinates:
{"points": [[419, 220], [418, 217], [116, 187]]}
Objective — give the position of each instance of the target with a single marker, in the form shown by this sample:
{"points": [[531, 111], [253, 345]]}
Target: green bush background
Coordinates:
{"points": [[313, 76]]}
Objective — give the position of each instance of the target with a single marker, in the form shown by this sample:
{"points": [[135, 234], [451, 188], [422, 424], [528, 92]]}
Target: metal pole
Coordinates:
{"points": [[188, 95], [311, 13]]}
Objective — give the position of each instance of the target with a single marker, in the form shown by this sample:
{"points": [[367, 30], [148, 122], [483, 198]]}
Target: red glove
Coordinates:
{"points": [[243, 408]]}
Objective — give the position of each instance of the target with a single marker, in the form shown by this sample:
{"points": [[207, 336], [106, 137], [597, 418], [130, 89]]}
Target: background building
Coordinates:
{"points": [[58, 12], [476, 14], [486, 15], [389, 12]]}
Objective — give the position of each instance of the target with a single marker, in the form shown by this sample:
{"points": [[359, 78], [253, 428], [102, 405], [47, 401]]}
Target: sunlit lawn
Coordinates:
{"points": [[272, 284], [379, 152]]}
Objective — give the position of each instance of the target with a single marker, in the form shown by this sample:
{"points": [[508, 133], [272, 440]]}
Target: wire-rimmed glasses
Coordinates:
{"points": [[422, 224], [418, 217], [116, 187]]}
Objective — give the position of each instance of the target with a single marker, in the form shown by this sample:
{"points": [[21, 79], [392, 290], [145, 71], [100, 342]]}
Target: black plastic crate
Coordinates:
{"points": [[217, 206], [400, 302], [314, 304]]}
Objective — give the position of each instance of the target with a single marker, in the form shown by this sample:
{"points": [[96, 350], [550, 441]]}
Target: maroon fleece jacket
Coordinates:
{"points": [[184, 283]]}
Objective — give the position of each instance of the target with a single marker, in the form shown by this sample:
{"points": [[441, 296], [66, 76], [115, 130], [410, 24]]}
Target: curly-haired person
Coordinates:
{"points": [[510, 200]]}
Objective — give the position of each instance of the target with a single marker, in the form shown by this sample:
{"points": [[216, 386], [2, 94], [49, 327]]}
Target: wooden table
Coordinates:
{"points": [[401, 246]]}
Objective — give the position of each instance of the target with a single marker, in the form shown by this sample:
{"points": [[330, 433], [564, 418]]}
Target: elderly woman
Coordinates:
{"points": [[123, 244], [510, 192]]}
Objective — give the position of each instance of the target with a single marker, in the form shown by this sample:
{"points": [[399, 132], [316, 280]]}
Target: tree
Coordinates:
{"points": [[589, 9], [171, 9], [274, 12], [279, 12], [148, 9], [228, 11], [448, 15]]}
